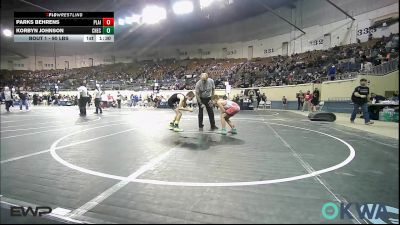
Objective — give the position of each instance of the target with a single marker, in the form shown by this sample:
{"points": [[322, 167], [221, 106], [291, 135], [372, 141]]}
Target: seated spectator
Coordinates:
{"points": [[395, 96], [172, 74], [377, 98], [366, 66]]}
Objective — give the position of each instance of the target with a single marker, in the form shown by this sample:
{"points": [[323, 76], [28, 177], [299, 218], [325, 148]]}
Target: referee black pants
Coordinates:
{"points": [[210, 112], [82, 106], [8, 104]]}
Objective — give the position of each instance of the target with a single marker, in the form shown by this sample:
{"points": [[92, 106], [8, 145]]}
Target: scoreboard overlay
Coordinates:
{"points": [[63, 26]]}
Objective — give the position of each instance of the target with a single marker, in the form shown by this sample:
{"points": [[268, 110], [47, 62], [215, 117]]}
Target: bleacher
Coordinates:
{"points": [[170, 74]]}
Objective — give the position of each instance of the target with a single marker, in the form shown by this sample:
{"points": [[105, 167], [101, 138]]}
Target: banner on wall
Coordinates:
{"points": [[364, 30], [382, 31], [251, 92]]}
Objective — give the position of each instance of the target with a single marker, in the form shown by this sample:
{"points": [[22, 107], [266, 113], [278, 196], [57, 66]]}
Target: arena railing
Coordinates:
{"points": [[339, 99], [384, 68], [380, 70]]}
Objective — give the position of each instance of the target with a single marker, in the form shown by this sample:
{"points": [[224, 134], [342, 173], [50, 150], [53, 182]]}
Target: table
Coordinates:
{"points": [[246, 105], [375, 108], [65, 103]]}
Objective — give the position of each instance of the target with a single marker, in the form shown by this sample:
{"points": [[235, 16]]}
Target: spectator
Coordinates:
{"points": [[250, 94], [360, 100], [35, 98], [307, 101], [315, 99], [254, 99], [395, 96], [300, 100], [237, 99], [284, 103], [264, 97], [7, 95], [136, 100], [172, 74], [23, 99], [332, 72], [75, 101], [131, 98], [241, 99], [377, 98], [366, 66]]}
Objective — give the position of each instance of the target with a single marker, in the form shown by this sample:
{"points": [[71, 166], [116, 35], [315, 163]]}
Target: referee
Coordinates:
{"points": [[205, 88], [82, 99], [97, 99]]}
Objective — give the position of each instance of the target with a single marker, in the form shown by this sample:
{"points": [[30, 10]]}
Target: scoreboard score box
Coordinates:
{"points": [[108, 22], [108, 30], [64, 26]]}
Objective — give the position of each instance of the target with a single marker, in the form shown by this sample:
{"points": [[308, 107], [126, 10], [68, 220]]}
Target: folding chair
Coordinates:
{"points": [[262, 103], [320, 106], [268, 104]]}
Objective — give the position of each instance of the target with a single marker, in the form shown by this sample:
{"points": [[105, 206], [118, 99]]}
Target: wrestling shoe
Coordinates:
{"points": [[222, 131], [177, 129]]}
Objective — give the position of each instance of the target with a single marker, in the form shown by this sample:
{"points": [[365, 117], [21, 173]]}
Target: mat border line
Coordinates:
{"points": [[351, 156]]}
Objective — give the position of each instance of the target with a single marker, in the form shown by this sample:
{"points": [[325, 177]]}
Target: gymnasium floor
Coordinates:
{"points": [[125, 166]]}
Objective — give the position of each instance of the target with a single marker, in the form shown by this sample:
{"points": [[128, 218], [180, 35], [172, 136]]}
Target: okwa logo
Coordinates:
{"points": [[376, 213]]}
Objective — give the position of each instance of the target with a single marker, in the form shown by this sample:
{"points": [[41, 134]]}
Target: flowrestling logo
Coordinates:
{"points": [[376, 213], [25, 211]]}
